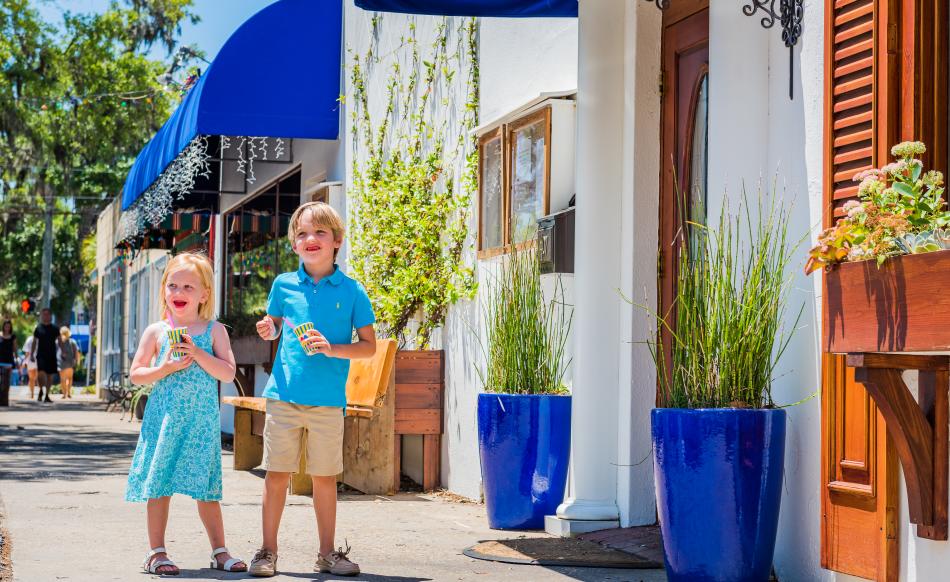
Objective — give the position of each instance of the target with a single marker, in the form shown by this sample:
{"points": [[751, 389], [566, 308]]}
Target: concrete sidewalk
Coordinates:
{"points": [[62, 479]]}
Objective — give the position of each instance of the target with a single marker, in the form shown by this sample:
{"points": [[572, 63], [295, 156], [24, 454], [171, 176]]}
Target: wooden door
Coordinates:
{"points": [[859, 529], [683, 185]]}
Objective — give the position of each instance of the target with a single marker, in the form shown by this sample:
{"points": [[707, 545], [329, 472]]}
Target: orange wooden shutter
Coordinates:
{"points": [[858, 462], [885, 81]]}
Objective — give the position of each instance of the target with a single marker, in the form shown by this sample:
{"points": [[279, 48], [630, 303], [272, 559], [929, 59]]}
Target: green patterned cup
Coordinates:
{"points": [[302, 331], [175, 337]]}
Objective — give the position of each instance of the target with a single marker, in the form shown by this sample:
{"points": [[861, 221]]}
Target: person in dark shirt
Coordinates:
{"points": [[44, 353], [7, 360]]}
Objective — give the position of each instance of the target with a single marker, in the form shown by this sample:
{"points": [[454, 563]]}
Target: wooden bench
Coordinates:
{"points": [[370, 444]]}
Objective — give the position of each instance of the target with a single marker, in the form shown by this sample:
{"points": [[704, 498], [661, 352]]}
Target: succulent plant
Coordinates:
{"points": [[922, 242]]}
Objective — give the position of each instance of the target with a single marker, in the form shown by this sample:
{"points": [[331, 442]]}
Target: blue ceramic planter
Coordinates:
{"points": [[718, 490], [524, 446]]}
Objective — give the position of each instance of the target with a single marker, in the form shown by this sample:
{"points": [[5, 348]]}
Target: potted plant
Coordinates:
{"points": [[884, 274], [718, 439], [524, 416], [140, 400]]}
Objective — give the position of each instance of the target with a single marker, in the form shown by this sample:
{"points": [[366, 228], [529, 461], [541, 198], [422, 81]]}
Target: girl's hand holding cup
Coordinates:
{"points": [[171, 365], [185, 348]]}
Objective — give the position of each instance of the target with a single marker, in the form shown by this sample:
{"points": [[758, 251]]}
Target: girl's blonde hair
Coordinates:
{"points": [[321, 214], [199, 263], [64, 331]]}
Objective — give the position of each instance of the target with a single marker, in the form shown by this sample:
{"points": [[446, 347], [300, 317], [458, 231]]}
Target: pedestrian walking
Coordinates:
{"points": [[29, 363], [184, 356], [7, 360], [43, 352], [68, 354]]}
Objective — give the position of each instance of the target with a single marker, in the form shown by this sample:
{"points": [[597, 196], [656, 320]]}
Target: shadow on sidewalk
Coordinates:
{"points": [[208, 574], [36, 452]]}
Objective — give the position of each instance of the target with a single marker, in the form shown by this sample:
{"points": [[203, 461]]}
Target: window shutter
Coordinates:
{"points": [[859, 533]]}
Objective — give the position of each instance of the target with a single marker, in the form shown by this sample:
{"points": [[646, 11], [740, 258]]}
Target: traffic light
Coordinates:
{"points": [[28, 306]]}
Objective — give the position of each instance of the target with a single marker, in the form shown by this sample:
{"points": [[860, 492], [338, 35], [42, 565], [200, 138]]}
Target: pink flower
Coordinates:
{"points": [[870, 173]]}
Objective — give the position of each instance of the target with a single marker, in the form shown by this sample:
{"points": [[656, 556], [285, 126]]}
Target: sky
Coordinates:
{"points": [[219, 18]]}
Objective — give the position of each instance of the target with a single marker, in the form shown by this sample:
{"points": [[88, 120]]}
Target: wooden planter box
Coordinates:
{"points": [[420, 386], [903, 306]]}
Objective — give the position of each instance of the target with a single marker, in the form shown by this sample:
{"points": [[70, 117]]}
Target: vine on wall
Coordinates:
{"points": [[409, 217]]}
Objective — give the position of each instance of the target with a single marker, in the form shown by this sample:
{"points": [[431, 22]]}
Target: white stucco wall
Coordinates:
{"points": [[523, 57]]}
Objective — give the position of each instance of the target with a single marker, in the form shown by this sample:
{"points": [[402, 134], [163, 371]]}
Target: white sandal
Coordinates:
{"points": [[228, 565], [154, 566]]}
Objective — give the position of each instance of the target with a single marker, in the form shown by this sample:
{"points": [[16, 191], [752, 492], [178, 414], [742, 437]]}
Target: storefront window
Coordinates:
{"points": [[257, 247], [513, 189]]}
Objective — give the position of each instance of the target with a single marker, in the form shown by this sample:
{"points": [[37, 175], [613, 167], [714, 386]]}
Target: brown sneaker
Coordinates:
{"points": [[264, 564], [337, 563]]}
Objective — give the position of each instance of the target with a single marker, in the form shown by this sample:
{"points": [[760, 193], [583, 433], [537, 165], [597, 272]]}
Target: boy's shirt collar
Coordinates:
{"points": [[334, 278]]}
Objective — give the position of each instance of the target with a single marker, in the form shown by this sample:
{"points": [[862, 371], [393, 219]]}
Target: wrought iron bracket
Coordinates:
{"points": [[790, 15]]}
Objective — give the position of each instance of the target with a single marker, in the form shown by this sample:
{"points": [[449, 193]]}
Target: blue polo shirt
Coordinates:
{"points": [[336, 305]]}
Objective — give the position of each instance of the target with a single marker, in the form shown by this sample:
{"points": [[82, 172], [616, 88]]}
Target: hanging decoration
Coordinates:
{"points": [[176, 181], [124, 98], [242, 163], [251, 156], [190, 81]]}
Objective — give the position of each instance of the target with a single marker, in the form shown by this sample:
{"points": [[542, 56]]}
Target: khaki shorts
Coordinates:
{"points": [[286, 428]]}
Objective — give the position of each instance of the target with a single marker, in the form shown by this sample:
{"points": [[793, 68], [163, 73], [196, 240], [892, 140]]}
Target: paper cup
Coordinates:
{"points": [[301, 332], [175, 337]]}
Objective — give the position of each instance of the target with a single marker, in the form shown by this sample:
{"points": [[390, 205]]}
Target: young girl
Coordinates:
{"points": [[179, 448]]}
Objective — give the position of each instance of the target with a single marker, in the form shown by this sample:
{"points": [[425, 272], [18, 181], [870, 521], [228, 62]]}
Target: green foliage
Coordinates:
{"points": [[409, 223], [725, 323], [241, 324], [138, 393], [526, 336], [60, 137], [21, 248]]}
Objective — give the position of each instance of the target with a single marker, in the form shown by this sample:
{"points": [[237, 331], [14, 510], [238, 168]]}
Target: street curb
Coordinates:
{"points": [[6, 548]]}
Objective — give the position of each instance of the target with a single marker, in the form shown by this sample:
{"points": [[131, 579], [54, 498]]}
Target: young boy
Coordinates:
{"points": [[308, 392]]}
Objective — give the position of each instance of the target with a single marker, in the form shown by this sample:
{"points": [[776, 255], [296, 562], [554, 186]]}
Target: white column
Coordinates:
{"points": [[597, 307]]}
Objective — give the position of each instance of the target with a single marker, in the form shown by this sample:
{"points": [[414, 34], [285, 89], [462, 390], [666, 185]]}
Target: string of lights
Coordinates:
{"points": [[168, 85]]}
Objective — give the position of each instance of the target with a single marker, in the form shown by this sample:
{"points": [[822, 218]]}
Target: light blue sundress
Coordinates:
{"points": [[179, 448]]}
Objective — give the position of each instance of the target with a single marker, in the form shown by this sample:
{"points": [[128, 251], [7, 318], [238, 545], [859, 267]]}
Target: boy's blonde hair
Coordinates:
{"points": [[199, 263], [321, 214]]}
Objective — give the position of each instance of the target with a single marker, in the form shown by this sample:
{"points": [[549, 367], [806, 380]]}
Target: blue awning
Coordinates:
{"points": [[501, 8], [278, 75]]}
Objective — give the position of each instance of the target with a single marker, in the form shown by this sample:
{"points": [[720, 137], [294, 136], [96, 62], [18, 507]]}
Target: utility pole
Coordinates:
{"points": [[47, 272]]}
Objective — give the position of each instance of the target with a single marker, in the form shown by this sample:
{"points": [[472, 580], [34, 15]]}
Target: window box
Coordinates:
{"points": [[902, 306]]}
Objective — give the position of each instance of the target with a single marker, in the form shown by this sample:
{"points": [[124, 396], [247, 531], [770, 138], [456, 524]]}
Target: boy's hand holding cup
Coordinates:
{"points": [[266, 329], [312, 340]]}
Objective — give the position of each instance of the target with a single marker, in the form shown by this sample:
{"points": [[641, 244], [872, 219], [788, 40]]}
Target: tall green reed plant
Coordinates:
{"points": [[526, 335], [724, 326]]}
